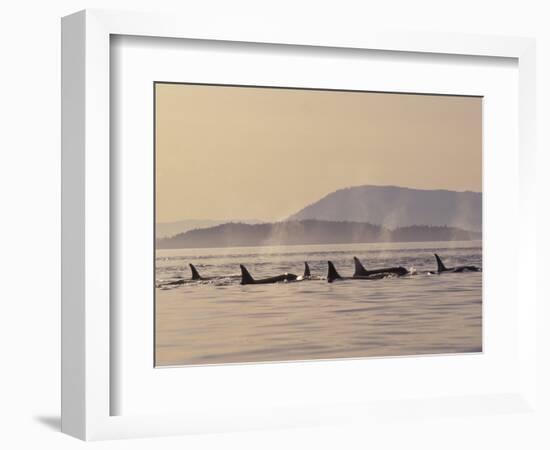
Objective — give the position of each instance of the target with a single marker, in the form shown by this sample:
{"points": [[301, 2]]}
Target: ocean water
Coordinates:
{"points": [[219, 321]]}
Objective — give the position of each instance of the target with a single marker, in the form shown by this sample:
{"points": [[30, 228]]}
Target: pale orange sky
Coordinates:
{"points": [[230, 153]]}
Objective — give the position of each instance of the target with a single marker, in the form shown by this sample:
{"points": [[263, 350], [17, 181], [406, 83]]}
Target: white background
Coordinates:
{"points": [[29, 177]]}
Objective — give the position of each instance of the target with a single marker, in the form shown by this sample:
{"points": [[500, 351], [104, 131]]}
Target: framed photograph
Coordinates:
{"points": [[267, 228]]}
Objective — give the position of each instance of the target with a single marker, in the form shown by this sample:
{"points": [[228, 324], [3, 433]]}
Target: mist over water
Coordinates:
{"points": [[219, 321]]}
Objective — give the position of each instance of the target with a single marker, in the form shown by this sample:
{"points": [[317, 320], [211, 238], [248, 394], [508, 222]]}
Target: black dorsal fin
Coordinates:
{"points": [[194, 273], [246, 278], [307, 273], [359, 268], [440, 266], [332, 273]]}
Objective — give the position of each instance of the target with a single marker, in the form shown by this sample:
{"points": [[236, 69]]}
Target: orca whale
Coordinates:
{"points": [[360, 270], [307, 273], [195, 275], [334, 275], [441, 267], [246, 278]]}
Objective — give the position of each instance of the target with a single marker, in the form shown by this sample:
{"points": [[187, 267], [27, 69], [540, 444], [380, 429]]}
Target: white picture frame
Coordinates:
{"points": [[87, 354]]}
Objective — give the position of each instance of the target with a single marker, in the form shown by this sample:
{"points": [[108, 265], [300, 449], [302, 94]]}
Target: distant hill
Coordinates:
{"points": [[309, 232], [167, 229], [395, 207]]}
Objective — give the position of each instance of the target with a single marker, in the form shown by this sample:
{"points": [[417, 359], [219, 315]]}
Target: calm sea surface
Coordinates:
{"points": [[219, 321]]}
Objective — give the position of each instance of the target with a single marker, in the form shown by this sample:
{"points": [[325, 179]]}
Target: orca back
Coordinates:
{"points": [[194, 273], [307, 273], [246, 278], [359, 268], [440, 266], [332, 273]]}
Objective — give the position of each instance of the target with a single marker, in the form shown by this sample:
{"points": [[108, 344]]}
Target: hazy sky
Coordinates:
{"points": [[232, 153]]}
